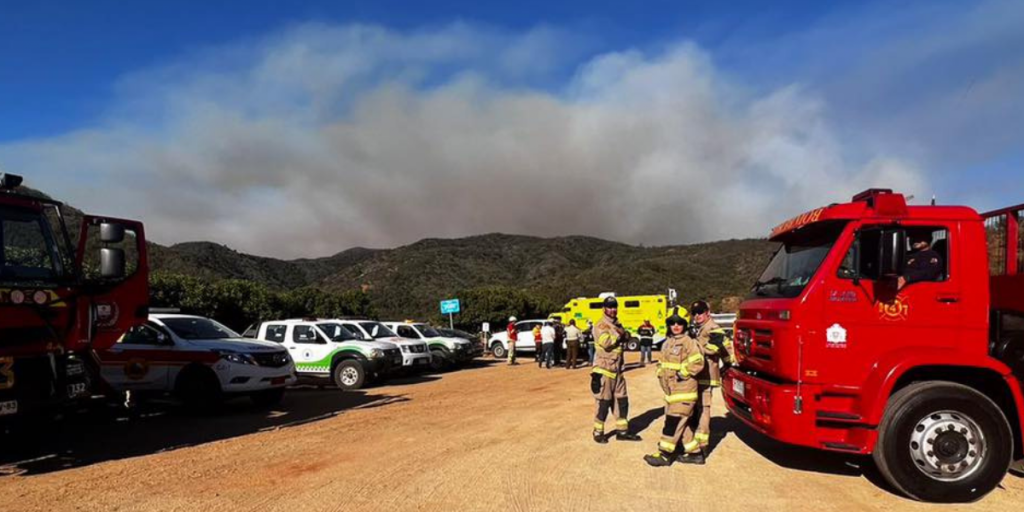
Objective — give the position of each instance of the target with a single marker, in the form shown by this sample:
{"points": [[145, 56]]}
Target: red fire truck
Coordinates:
{"points": [[60, 300], [844, 344]]}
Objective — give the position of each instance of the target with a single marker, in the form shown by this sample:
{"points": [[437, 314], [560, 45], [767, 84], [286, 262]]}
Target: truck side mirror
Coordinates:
{"points": [[112, 263], [892, 253], [111, 233]]}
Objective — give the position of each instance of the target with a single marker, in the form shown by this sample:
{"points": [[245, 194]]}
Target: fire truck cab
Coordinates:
{"points": [[843, 347], [60, 300]]}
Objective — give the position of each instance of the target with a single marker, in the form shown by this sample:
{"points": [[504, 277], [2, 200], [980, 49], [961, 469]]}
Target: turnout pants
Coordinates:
{"points": [[679, 429], [703, 435], [611, 396]]}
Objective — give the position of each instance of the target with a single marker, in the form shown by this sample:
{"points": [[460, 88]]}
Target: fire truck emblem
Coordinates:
{"points": [[835, 336], [894, 311], [136, 369]]}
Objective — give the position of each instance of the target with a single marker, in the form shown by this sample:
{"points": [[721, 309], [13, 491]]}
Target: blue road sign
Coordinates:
{"points": [[449, 306]]}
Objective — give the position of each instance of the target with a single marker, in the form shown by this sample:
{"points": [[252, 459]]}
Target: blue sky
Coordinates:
{"points": [[378, 118]]}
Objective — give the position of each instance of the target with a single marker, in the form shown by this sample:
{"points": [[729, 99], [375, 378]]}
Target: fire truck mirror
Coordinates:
{"points": [[111, 233], [112, 264], [892, 253]]}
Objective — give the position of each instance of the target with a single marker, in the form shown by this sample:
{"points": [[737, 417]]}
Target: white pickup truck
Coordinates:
{"points": [[448, 352], [198, 360], [415, 354], [326, 349]]}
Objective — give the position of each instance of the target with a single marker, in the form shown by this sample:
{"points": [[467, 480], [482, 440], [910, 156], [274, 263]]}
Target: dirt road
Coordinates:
{"points": [[486, 438]]}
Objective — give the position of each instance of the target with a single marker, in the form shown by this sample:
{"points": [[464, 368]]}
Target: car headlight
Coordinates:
{"points": [[405, 348], [376, 353], [238, 358]]}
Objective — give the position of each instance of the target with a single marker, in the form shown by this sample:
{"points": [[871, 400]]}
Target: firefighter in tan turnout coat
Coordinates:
{"points": [[680, 362], [607, 381], [717, 350]]}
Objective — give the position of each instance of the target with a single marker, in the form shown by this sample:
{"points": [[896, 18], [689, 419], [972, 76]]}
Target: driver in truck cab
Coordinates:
{"points": [[924, 263]]}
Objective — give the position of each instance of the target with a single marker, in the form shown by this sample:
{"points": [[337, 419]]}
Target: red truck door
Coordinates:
{"points": [[863, 319]]}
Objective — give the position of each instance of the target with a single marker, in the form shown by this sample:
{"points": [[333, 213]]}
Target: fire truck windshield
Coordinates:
{"points": [[28, 251], [796, 262]]}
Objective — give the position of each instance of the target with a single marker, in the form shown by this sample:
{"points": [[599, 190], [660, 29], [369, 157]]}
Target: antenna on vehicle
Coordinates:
{"points": [[933, 200]]}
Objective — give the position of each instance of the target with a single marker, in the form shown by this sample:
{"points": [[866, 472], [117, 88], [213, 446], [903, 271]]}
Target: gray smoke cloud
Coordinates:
{"points": [[325, 137]]}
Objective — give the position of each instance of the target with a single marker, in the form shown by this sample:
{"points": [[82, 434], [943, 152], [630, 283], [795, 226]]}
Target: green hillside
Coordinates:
{"points": [[409, 281]]}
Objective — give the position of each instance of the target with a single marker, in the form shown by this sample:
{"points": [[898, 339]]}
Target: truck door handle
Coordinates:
{"points": [[948, 298]]}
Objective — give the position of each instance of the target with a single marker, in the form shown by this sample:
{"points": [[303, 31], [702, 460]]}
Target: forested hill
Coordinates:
{"points": [[410, 280]]}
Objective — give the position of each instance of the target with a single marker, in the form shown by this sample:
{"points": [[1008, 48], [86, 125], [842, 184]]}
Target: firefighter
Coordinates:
{"points": [[607, 381], [718, 352], [923, 262], [513, 336], [681, 360]]}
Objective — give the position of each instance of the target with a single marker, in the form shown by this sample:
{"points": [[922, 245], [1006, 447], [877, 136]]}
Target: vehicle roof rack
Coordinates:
{"points": [[165, 311]]}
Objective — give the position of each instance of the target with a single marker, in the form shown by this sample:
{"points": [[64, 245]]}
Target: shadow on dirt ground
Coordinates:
{"points": [[798, 457], [109, 432]]}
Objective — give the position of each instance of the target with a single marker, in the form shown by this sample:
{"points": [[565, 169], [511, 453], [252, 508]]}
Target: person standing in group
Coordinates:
{"points": [[572, 342], [680, 361], [537, 340], [717, 349], [646, 333], [588, 339], [547, 336], [559, 341], [608, 383], [513, 337]]}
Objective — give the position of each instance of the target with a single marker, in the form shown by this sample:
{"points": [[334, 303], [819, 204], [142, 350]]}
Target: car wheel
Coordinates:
{"points": [[440, 360], [633, 345], [499, 350], [268, 398], [199, 388], [943, 442], [349, 375]]}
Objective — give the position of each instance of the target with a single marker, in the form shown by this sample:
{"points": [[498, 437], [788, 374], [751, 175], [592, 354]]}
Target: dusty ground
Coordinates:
{"points": [[485, 438]]}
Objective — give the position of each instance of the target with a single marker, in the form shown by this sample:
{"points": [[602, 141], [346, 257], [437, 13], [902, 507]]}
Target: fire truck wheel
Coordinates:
{"points": [[199, 388], [349, 374], [633, 345], [498, 350], [268, 398], [943, 442]]}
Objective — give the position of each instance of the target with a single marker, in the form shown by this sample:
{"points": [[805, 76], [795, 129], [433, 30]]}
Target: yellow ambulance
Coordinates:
{"points": [[633, 310]]}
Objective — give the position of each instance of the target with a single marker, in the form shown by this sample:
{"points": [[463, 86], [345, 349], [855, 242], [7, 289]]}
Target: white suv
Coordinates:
{"points": [[415, 354], [448, 352], [325, 349], [524, 343], [196, 359]]}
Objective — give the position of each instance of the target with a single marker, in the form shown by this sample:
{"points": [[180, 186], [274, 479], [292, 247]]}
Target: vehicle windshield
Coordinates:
{"points": [[195, 328], [377, 330], [28, 251], [428, 331], [338, 332], [795, 263]]}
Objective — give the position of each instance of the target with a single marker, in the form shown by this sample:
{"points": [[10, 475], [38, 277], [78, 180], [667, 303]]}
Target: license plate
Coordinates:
{"points": [[76, 389], [739, 387], [277, 380], [8, 407]]}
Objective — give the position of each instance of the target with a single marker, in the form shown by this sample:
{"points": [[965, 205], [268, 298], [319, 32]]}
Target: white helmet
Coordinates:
{"points": [[511, 319]]}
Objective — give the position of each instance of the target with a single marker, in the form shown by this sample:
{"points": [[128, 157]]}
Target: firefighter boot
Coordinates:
{"points": [[625, 435], [692, 458], [659, 459], [600, 438]]}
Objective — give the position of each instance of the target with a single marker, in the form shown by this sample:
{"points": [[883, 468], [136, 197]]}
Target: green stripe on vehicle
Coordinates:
{"points": [[324, 365]]}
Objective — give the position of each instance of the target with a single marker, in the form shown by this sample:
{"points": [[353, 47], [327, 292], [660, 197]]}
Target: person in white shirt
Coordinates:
{"points": [[547, 340]]}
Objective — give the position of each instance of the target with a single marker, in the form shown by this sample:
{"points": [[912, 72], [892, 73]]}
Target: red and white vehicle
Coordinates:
{"points": [[841, 348], [198, 360]]}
